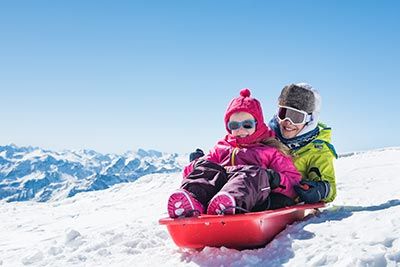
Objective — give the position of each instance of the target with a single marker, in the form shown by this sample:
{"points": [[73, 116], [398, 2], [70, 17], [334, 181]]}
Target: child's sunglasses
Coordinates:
{"points": [[246, 124]]}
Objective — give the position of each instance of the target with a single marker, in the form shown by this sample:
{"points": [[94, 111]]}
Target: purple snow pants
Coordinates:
{"points": [[248, 184]]}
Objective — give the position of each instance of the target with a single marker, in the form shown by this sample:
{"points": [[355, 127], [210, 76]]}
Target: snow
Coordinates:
{"points": [[119, 226]]}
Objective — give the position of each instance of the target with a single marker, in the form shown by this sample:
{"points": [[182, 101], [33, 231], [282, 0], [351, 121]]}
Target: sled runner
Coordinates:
{"points": [[249, 230]]}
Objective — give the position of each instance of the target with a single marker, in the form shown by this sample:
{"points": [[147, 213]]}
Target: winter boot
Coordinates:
{"points": [[182, 203], [221, 203]]}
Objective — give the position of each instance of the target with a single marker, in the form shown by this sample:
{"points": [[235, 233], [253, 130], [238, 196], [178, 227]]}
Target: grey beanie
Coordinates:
{"points": [[300, 96]]}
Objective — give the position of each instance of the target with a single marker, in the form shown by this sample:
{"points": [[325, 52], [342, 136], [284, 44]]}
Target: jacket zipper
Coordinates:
{"points": [[233, 155]]}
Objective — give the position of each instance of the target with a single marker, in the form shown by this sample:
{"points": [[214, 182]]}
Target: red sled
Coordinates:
{"points": [[242, 231]]}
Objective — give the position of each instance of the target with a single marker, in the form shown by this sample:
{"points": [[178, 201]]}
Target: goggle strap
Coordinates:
{"points": [[309, 118]]}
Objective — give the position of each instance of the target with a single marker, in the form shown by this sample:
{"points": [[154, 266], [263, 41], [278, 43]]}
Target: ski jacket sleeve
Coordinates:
{"points": [[289, 175], [321, 168]]}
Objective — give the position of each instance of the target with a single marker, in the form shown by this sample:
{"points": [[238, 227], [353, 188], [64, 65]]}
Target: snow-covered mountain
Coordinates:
{"points": [[119, 226], [28, 173]]}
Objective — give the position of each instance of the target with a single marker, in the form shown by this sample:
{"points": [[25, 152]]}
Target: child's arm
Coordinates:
{"points": [[289, 176], [211, 156]]}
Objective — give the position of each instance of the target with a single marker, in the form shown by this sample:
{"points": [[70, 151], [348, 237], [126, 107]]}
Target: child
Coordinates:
{"points": [[240, 171], [296, 125]]}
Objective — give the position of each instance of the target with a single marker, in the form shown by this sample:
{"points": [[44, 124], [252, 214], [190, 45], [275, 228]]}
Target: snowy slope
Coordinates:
{"points": [[119, 226]]}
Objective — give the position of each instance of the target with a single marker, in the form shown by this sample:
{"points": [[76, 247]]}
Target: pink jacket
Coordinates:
{"points": [[228, 153]]}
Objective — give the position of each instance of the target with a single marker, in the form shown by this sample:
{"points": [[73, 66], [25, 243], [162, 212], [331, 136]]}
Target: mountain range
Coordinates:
{"points": [[31, 173]]}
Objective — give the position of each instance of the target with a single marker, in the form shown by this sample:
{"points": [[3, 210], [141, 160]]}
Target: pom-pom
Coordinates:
{"points": [[245, 92]]}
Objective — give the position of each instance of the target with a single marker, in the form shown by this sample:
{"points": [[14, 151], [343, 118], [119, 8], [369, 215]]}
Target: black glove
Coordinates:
{"points": [[312, 192], [274, 179], [195, 155]]}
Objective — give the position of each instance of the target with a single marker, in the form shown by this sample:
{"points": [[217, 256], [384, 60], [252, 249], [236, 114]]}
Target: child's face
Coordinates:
{"points": [[290, 130], [242, 131]]}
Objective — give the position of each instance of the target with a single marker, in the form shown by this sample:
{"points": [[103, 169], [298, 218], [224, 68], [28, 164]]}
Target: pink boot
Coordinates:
{"points": [[182, 203], [221, 203]]}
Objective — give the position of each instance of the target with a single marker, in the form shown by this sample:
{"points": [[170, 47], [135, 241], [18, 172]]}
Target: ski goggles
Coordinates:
{"points": [[246, 124], [295, 116]]}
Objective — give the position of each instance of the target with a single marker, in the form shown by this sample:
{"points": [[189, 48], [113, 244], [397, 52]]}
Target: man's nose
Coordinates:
{"points": [[286, 122]]}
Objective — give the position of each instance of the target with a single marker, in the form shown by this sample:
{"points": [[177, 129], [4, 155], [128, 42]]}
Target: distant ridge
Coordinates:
{"points": [[349, 154], [32, 173]]}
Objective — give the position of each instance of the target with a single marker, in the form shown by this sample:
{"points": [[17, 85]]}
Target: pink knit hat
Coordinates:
{"points": [[245, 103]]}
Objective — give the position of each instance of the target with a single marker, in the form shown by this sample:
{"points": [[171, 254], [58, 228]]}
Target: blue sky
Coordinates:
{"points": [[121, 75]]}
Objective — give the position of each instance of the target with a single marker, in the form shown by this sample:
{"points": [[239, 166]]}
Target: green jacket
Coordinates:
{"points": [[315, 160]]}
